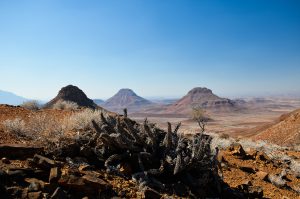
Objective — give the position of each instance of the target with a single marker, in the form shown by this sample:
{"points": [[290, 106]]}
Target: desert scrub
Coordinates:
{"points": [[31, 105], [16, 127], [83, 120], [65, 105], [37, 127]]}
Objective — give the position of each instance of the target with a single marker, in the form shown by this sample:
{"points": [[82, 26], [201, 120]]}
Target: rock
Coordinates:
{"points": [[244, 186], [35, 195], [86, 184], [96, 183], [180, 189], [247, 169], [125, 169], [54, 175], [43, 162], [252, 153], [262, 156], [255, 192], [149, 193], [16, 175], [262, 175], [3, 192], [18, 151], [5, 160], [82, 168], [277, 180], [34, 187], [14, 192], [3, 177], [59, 194], [238, 151], [35, 184]]}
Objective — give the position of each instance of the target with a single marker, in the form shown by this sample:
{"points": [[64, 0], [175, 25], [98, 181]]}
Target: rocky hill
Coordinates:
{"points": [[204, 98], [126, 98], [285, 131], [73, 94]]}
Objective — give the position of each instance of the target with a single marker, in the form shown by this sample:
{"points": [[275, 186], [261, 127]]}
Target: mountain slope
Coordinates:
{"points": [[126, 98], [286, 131], [73, 94], [204, 98], [11, 98], [98, 101]]}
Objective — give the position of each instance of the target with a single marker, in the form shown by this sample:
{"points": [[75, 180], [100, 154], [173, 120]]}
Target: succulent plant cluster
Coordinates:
{"points": [[153, 157]]}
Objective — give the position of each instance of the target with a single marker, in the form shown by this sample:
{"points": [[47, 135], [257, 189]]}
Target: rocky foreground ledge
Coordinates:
{"points": [[119, 158]]}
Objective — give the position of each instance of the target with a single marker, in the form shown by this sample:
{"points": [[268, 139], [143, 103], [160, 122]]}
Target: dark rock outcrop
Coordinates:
{"points": [[73, 94]]}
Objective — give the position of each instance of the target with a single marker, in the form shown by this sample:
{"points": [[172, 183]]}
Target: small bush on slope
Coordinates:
{"points": [[16, 127], [31, 105], [65, 105]]}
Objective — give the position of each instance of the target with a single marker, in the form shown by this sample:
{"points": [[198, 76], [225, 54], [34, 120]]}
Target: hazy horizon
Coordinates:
{"points": [[156, 48]]}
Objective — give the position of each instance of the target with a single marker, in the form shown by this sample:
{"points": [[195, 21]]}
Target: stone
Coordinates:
{"points": [[149, 193], [3, 177], [125, 169], [262, 156], [97, 183], [87, 184], [59, 193], [35, 195], [18, 151], [252, 153], [43, 162], [5, 160], [85, 167], [3, 192], [180, 189], [247, 169], [35, 184], [14, 192], [255, 192], [54, 175], [262, 175], [16, 175], [238, 151]]}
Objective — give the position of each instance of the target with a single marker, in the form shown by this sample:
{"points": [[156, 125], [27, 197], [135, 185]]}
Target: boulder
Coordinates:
{"points": [[5, 160], [262, 156], [262, 175], [90, 185], [149, 193], [43, 162], [54, 175], [255, 192], [35, 195], [59, 193], [247, 169], [18, 151], [237, 150]]}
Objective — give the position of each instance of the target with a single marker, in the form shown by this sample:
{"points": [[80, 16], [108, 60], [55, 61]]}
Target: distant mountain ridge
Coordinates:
{"points": [[98, 101], [11, 98], [126, 98]]}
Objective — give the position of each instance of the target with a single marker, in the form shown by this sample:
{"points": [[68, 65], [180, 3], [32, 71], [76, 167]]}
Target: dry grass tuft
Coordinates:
{"points": [[65, 105]]}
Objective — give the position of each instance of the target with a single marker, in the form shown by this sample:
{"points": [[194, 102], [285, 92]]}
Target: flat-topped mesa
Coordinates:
{"points": [[73, 94]]}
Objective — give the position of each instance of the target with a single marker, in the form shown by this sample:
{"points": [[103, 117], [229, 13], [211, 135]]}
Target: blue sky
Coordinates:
{"points": [[157, 48]]}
